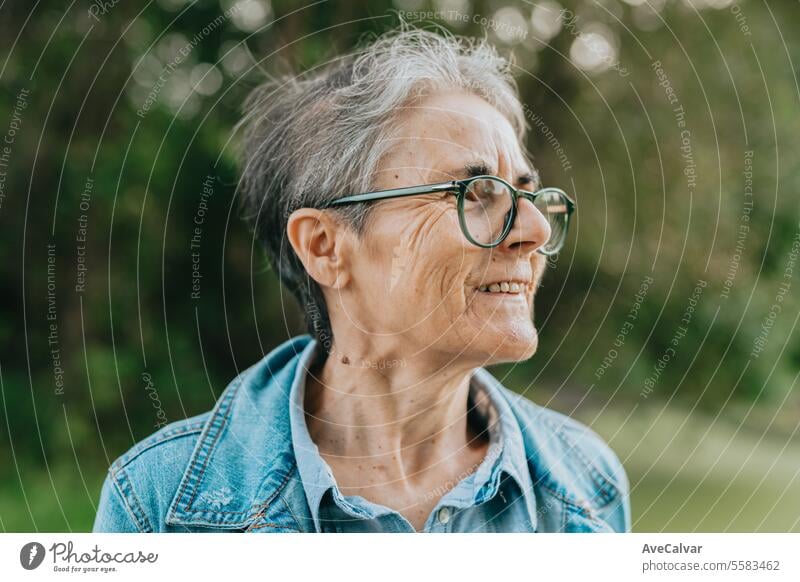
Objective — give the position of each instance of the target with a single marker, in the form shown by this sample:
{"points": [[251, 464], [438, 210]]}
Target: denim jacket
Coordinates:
{"points": [[233, 468]]}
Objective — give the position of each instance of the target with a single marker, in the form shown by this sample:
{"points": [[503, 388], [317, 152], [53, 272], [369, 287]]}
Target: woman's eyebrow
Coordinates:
{"points": [[476, 168], [528, 178], [482, 168]]}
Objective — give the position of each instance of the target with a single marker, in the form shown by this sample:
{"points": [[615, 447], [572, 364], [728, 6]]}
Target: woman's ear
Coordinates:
{"points": [[321, 243]]}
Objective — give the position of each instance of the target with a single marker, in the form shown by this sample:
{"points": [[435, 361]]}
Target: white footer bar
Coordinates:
{"points": [[407, 558]]}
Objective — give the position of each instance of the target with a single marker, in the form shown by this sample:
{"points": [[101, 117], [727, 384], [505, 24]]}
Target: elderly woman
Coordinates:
{"points": [[393, 195]]}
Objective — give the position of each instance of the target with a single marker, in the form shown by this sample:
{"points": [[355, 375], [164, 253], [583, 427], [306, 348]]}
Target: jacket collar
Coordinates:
{"points": [[235, 473]]}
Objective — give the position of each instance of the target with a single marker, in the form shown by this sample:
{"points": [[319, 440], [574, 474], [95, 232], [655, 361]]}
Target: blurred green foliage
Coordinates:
{"points": [[137, 348]]}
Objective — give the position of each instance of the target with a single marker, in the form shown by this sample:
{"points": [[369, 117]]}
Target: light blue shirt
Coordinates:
{"points": [[497, 497]]}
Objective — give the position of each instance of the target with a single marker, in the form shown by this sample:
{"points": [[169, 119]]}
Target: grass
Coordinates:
{"points": [[693, 472]]}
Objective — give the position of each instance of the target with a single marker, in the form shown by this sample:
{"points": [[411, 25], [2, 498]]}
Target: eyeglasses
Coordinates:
{"points": [[487, 207]]}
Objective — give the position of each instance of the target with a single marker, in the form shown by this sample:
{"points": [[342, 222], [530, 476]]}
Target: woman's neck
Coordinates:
{"points": [[397, 413]]}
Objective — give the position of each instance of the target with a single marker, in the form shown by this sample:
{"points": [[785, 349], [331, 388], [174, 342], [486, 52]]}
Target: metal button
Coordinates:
{"points": [[444, 515]]}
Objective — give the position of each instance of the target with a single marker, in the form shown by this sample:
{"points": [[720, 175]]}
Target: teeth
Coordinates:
{"points": [[502, 287]]}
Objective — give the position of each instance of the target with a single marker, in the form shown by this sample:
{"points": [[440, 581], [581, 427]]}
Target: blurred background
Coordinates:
{"points": [[131, 293]]}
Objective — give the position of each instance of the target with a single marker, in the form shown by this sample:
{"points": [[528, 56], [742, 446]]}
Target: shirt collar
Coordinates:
{"points": [[506, 454], [514, 458], [315, 474]]}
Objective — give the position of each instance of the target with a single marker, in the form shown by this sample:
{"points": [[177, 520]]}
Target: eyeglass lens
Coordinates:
{"points": [[487, 204]]}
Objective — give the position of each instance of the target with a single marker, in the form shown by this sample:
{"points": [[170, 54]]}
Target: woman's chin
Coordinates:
{"points": [[518, 350], [512, 343]]}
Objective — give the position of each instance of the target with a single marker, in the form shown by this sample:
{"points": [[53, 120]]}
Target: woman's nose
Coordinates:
{"points": [[530, 229]]}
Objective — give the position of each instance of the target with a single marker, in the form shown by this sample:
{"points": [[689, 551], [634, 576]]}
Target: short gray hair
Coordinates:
{"points": [[321, 136]]}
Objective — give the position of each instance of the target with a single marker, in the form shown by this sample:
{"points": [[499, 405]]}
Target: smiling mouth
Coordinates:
{"points": [[505, 288]]}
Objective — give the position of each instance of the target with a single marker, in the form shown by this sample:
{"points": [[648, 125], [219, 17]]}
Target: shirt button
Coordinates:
{"points": [[444, 515]]}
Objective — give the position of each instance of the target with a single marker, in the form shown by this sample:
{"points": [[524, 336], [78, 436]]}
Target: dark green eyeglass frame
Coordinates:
{"points": [[459, 189]]}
